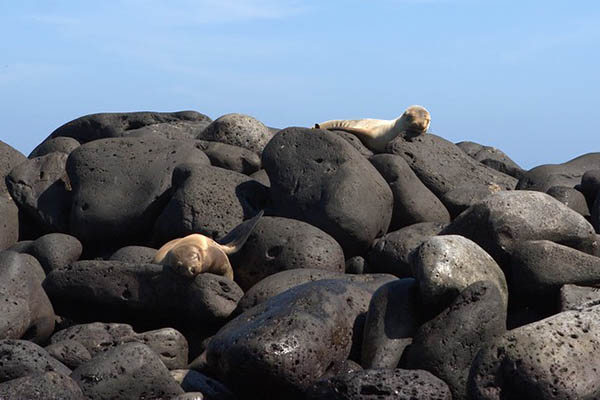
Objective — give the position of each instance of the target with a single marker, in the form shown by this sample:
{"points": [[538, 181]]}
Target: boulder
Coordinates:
{"points": [[208, 200], [134, 255], [55, 250], [129, 371], [25, 310], [112, 125], [9, 225], [59, 144], [569, 174], [573, 296], [238, 130], [278, 244], [507, 218], [381, 384], [554, 358], [319, 178], [69, 352], [492, 157], [20, 358], [570, 197], [442, 166], [413, 202], [121, 185], [43, 386]]}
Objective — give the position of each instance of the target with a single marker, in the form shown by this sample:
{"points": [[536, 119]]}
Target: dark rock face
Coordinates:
{"points": [[391, 321], [442, 166], [59, 144], [355, 142], [381, 384], [459, 199], [25, 310], [208, 200], [392, 253], [282, 281], [567, 174], [238, 130], [554, 358], [573, 296], [112, 125], [147, 294], [233, 158], [446, 345], [129, 371], [9, 223], [194, 381], [134, 255], [319, 178], [97, 337], [570, 197], [44, 386], [492, 157], [119, 187], [41, 189], [279, 244], [55, 250], [502, 220], [413, 202], [446, 265], [539, 268], [177, 130], [288, 341], [20, 358], [590, 185], [69, 352]]}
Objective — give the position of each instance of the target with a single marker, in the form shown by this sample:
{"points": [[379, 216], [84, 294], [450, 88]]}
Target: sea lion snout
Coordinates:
{"points": [[187, 260], [417, 119]]}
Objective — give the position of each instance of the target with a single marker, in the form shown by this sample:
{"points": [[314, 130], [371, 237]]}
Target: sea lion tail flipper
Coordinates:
{"points": [[235, 239]]}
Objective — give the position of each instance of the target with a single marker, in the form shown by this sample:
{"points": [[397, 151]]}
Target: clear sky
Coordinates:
{"points": [[522, 76]]}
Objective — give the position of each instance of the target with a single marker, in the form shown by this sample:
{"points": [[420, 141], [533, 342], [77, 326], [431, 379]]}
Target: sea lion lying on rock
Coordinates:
{"points": [[196, 253], [376, 133]]}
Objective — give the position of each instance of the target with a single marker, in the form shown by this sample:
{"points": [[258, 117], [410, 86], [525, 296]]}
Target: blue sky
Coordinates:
{"points": [[522, 76]]}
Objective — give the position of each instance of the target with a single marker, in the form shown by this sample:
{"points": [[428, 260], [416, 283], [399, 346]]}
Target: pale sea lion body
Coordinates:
{"points": [[195, 254], [376, 133]]}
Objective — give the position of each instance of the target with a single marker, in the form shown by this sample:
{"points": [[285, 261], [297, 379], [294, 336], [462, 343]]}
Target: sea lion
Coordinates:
{"points": [[376, 133], [196, 253]]}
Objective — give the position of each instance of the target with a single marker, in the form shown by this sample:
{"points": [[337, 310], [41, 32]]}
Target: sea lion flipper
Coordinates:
{"points": [[235, 239]]}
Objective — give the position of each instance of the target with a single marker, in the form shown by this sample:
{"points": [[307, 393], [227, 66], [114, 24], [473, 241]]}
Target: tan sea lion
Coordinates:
{"points": [[196, 253], [376, 133]]}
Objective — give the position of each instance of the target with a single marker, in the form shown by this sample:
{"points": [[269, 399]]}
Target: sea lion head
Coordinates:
{"points": [[416, 120], [187, 260]]}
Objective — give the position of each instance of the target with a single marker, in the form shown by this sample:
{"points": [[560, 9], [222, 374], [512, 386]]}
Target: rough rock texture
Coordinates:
{"points": [[539, 268], [413, 202], [129, 371], [59, 144], [208, 200], [55, 250], [44, 386], [148, 294], [506, 218], [111, 125], [20, 358], [543, 177], [392, 252], [134, 255], [194, 381], [381, 384], [238, 130], [25, 310], [459, 199], [234, 158], [446, 265], [176, 130], [42, 190], [442, 166], [279, 244], [282, 281], [447, 344], [573, 296], [391, 321], [554, 358], [69, 352], [289, 341], [9, 223], [492, 157], [121, 210], [570, 197], [97, 337], [319, 178]]}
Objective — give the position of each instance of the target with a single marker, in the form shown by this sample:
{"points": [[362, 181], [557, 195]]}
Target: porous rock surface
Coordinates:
{"points": [[369, 276]]}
